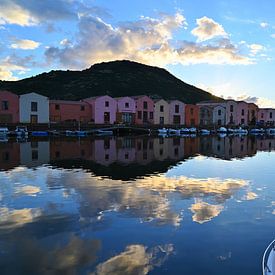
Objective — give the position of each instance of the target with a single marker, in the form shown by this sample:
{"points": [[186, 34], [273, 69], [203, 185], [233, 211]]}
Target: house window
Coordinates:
{"points": [[191, 111], [34, 155], [177, 108], [219, 112], [242, 112], [106, 103], [262, 115], [34, 106], [139, 114], [253, 113], [161, 108], [126, 104], [270, 115], [231, 108], [145, 105], [242, 121], [5, 105], [151, 115], [82, 108]]}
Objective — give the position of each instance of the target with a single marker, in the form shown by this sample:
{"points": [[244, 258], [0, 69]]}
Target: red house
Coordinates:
{"points": [[9, 109]]}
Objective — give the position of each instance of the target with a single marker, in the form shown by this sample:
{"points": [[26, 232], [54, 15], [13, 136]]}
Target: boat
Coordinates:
{"points": [[257, 131], [69, 133], [163, 131], [268, 263], [222, 130], [104, 132], [21, 131], [204, 132], [173, 132], [270, 131], [4, 132], [81, 133], [184, 131], [193, 130], [39, 134]]}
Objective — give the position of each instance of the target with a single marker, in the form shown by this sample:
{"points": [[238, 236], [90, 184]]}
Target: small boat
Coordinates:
{"points": [[4, 132], [39, 134], [222, 130], [104, 132], [204, 132], [268, 263], [163, 131], [54, 133], [69, 133], [193, 130], [21, 131], [257, 131], [81, 133], [185, 131], [270, 131], [174, 132]]}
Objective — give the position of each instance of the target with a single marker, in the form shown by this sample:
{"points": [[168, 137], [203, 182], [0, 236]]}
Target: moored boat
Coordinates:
{"points": [[268, 263]]}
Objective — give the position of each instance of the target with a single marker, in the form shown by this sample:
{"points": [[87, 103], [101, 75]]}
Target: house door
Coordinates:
{"points": [[106, 117], [145, 116], [176, 120], [34, 119], [161, 120]]}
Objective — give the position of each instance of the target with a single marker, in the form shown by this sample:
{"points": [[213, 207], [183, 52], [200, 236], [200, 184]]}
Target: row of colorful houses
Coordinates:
{"points": [[35, 108]]}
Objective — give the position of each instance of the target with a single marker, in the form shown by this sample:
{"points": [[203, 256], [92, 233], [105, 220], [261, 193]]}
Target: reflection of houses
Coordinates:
{"points": [[265, 144], [104, 109], [9, 155], [191, 115], [34, 153], [105, 152], [176, 112], [126, 110], [191, 147], [176, 148], [65, 110], [161, 112], [161, 148], [144, 150], [144, 109], [71, 149], [33, 108], [126, 152], [9, 111]]}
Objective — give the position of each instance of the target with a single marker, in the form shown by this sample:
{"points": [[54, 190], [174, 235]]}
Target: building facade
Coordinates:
{"points": [[266, 116], [104, 109], [206, 115], [161, 112], [33, 108], [219, 115], [253, 110], [126, 110], [191, 115], [144, 110], [176, 112], [65, 111], [231, 112], [9, 111], [242, 113]]}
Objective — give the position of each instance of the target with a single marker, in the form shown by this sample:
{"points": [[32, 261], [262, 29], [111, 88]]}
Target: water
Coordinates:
{"points": [[136, 205]]}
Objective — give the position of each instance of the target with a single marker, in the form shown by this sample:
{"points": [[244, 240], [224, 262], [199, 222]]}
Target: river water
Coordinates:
{"points": [[136, 205]]}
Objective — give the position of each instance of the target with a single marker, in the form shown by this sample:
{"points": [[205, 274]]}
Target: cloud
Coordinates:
{"points": [[24, 44], [273, 35], [255, 48], [136, 259], [205, 212], [147, 40], [27, 190], [260, 101], [264, 25], [207, 29], [250, 196]]}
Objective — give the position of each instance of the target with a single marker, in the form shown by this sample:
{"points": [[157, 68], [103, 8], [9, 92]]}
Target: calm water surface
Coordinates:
{"points": [[136, 205]]}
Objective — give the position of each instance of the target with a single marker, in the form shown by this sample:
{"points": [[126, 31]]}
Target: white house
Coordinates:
{"points": [[33, 108]]}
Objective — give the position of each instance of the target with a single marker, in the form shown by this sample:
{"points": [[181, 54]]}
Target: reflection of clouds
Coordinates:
{"points": [[11, 218], [250, 196], [27, 190], [136, 259], [204, 212], [31, 256]]}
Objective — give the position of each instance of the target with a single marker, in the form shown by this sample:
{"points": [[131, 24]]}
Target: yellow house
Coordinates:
{"points": [[161, 112]]}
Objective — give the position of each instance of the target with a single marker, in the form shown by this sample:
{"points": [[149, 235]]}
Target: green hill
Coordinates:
{"points": [[116, 78]]}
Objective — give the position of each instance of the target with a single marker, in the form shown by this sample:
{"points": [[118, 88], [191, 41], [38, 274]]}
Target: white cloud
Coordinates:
{"points": [[147, 40], [262, 102], [255, 48], [207, 29], [264, 24], [24, 44], [273, 35]]}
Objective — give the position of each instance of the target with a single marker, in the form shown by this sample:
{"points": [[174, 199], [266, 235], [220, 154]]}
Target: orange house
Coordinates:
{"points": [[191, 115], [9, 109], [65, 110]]}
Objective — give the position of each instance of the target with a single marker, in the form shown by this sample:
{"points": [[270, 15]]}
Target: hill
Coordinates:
{"points": [[116, 78]]}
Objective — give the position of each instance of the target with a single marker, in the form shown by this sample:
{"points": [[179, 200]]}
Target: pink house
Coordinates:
{"points": [[9, 111], [104, 109], [63, 110], [266, 116], [242, 113], [126, 110], [231, 112], [176, 112], [144, 109]]}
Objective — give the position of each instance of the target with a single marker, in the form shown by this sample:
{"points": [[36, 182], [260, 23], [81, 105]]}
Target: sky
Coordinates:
{"points": [[226, 47]]}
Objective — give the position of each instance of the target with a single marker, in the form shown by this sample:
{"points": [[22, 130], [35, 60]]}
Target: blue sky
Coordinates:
{"points": [[226, 47]]}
